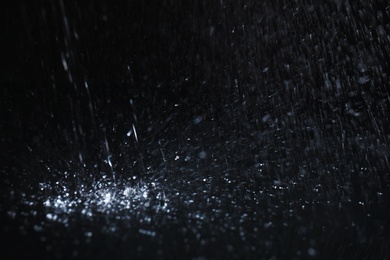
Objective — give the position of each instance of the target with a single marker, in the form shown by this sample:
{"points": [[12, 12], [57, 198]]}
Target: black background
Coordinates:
{"points": [[228, 63]]}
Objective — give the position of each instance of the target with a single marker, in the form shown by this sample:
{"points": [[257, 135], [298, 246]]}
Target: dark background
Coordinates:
{"points": [[294, 86], [162, 54]]}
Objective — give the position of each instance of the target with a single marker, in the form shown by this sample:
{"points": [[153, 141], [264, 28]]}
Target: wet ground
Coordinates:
{"points": [[203, 131]]}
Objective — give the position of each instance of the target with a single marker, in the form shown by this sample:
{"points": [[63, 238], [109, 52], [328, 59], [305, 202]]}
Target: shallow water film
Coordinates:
{"points": [[195, 129]]}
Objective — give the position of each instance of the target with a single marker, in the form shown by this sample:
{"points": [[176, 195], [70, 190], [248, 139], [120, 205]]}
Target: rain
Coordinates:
{"points": [[195, 129]]}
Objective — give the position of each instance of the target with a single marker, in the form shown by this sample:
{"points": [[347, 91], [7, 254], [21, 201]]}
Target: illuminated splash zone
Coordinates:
{"points": [[134, 201]]}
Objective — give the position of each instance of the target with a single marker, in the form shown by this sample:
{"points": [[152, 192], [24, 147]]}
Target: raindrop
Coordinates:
{"points": [[202, 155]]}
